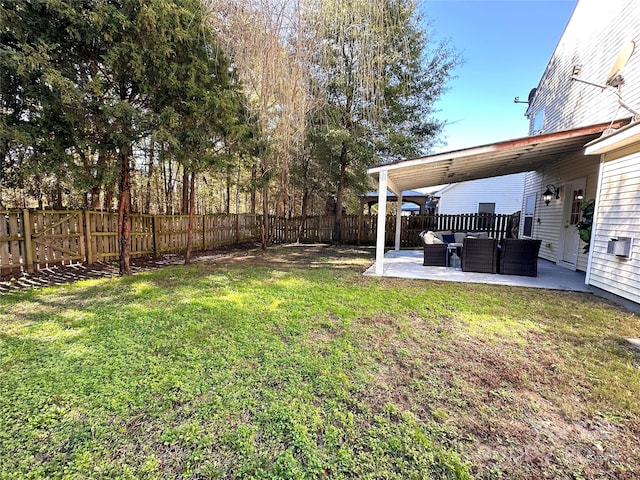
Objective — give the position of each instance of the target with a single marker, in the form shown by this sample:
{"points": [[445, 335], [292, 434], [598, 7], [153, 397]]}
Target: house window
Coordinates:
{"points": [[576, 203], [529, 211], [485, 214], [538, 122], [487, 208]]}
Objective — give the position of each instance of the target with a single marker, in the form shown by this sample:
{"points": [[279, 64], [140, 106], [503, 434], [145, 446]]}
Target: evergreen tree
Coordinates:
{"points": [[41, 110], [197, 100], [83, 83]]}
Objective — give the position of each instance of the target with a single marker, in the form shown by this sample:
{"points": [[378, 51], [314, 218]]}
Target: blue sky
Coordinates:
{"points": [[505, 45]]}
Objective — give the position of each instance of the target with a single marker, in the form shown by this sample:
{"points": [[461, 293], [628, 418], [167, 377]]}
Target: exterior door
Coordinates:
{"points": [[569, 239]]}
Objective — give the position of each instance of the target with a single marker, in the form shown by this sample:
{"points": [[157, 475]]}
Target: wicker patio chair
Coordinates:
{"points": [[436, 254], [479, 255], [519, 256]]}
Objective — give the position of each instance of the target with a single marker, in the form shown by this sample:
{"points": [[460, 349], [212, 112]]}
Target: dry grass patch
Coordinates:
{"points": [[520, 399]]}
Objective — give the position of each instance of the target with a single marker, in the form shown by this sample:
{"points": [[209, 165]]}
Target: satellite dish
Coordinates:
{"points": [[532, 94], [615, 79]]}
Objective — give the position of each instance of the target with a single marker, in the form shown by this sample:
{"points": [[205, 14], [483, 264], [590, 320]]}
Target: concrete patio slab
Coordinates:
{"points": [[408, 264]]}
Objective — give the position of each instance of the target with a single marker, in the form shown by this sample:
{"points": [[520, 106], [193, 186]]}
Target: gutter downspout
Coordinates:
{"points": [[594, 225]]}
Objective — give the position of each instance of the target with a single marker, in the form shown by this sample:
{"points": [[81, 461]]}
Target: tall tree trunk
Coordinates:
{"points": [[37, 190], [306, 195], [265, 211], [98, 181], [150, 172], [95, 197], [124, 206], [134, 198], [337, 230], [58, 198], [184, 207], [281, 200], [238, 204], [192, 207], [167, 177], [303, 212], [108, 199], [227, 205], [254, 179], [238, 191]]}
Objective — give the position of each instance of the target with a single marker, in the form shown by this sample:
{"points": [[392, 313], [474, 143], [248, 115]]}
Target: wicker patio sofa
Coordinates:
{"points": [[479, 255], [518, 256], [436, 253], [455, 239]]}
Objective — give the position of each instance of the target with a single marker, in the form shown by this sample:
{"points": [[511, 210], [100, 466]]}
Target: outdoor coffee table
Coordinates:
{"points": [[453, 249]]}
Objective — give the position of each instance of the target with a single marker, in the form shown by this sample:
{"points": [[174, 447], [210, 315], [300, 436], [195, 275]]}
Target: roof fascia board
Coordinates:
{"points": [[518, 142], [614, 141], [432, 159]]}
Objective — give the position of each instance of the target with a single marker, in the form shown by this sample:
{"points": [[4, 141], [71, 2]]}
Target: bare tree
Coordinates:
{"points": [[382, 76], [265, 40]]}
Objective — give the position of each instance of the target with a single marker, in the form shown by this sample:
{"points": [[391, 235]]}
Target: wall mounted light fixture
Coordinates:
{"points": [[551, 192]]}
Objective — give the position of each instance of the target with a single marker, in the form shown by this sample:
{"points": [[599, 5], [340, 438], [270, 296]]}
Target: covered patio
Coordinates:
{"points": [[408, 264], [493, 160]]}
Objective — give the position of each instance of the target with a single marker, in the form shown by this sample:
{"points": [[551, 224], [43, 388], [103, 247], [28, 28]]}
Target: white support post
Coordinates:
{"points": [[398, 221], [382, 217]]}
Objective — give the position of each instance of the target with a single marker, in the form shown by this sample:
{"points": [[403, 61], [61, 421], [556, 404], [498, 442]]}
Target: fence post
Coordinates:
{"points": [[204, 228], [286, 230], [28, 244], [82, 239], [89, 255]]}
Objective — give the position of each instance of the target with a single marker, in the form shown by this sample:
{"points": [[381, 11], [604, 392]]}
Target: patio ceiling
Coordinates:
{"points": [[502, 158]]}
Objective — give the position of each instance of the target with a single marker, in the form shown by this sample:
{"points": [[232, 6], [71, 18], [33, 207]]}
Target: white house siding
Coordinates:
{"points": [[593, 38], [505, 192], [548, 219], [618, 216]]}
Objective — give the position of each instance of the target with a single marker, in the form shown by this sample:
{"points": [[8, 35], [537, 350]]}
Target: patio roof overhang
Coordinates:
{"points": [[503, 158], [496, 159]]}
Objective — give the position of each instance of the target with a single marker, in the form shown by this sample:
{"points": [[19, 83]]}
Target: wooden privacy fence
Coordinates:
{"points": [[362, 230], [36, 239], [496, 225], [32, 240]]}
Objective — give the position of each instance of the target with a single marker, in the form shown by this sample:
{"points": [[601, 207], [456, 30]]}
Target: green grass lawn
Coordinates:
{"points": [[290, 364]]}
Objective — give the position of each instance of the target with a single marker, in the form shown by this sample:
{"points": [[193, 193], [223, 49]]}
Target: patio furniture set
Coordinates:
{"points": [[479, 253]]}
